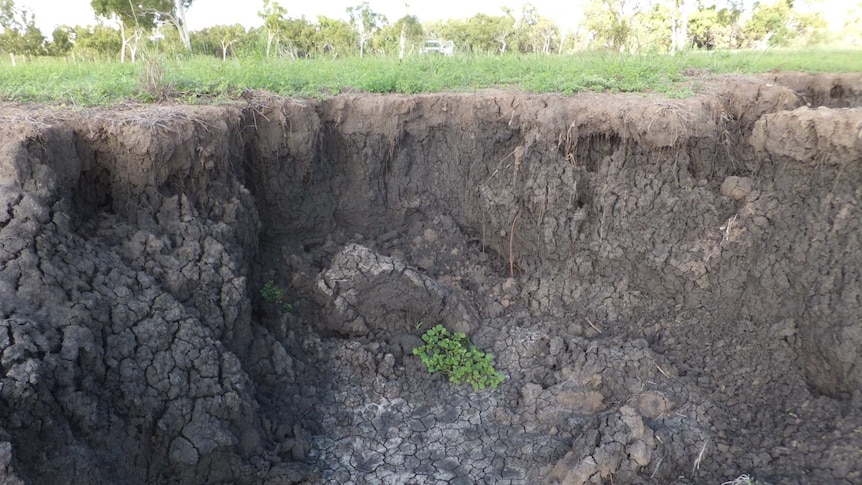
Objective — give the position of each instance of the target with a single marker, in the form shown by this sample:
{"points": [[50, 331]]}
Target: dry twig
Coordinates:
{"points": [[511, 245], [597, 329]]}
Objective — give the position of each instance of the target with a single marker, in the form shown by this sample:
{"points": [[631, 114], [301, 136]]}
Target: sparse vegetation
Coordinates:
{"points": [[457, 358], [274, 294]]}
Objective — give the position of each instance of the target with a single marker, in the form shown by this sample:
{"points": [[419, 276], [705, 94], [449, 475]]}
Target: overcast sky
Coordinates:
{"points": [[203, 13]]}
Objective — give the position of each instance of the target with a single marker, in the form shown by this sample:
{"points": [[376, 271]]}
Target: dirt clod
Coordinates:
{"points": [[737, 188]]}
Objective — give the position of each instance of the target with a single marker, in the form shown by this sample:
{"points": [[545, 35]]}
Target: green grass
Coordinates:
{"points": [[54, 81], [204, 78]]}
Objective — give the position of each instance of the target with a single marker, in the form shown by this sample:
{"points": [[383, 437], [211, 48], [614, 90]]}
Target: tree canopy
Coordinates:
{"points": [[143, 15], [620, 25], [366, 23], [19, 35]]}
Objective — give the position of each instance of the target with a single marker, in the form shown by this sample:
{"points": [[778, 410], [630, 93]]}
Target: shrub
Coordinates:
{"points": [[456, 357]]}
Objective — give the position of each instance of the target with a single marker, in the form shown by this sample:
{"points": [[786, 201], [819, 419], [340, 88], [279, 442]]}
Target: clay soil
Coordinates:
{"points": [[673, 288]]}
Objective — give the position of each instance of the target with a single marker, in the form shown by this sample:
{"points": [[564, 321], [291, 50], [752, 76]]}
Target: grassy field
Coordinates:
{"points": [[206, 79]]}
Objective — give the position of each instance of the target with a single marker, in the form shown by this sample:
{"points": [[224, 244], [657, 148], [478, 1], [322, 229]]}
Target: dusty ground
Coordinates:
{"points": [[673, 288]]}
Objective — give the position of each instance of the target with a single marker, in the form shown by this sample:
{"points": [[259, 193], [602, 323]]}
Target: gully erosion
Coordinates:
{"points": [[672, 288]]}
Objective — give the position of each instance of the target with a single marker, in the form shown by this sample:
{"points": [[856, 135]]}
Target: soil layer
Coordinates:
{"points": [[673, 288]]}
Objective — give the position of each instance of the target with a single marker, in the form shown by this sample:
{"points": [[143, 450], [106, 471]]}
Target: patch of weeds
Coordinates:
{"points": [[153, 84], [568, 88], [677, 92], [454, 356], [274, 294], [408, 85]]}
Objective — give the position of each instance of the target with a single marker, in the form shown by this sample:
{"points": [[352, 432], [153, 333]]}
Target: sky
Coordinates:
{"points": [[204, 13]]}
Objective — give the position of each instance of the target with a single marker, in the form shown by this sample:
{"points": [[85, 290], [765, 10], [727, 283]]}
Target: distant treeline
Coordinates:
{"points": [[662, 26]]}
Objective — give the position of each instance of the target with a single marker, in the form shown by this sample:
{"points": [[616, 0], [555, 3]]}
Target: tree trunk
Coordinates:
{"points": [[679, 26], [133, 49], [270, 36], [134, 41], [503, 44], [224, 47], [402, 41], [683, 34], [179, 20], [124, 44]]}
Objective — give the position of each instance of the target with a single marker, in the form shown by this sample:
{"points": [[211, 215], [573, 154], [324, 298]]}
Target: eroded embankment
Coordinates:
{"points": [[671, 286]]}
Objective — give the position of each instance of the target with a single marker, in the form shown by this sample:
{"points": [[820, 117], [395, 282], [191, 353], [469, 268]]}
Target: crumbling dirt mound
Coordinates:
{"points": [[672, 288], [828, 90]]}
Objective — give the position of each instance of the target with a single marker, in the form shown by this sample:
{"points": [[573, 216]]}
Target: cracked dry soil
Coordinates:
{"points": [[673, 288]]}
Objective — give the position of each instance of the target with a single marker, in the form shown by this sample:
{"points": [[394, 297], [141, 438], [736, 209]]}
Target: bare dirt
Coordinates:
{"points": [[673, 288]]}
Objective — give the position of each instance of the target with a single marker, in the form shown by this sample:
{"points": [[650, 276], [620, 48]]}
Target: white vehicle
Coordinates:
{"points": [[446, 48]]}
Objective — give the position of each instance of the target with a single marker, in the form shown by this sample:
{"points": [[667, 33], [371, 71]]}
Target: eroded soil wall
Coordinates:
{"points": [[671, 286]]}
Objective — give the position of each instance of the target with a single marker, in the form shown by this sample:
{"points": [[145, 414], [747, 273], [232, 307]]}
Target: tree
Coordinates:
{"points": [[166, 40], [611, 22], [61, 41], [653, 29], [778, 24], [19, 35], [402, 34], [851, 31], [505, 29], [366, 23], [133, 19], [291, 36], [407, 31], [95, 42], [177, 16], [142, 16], [535, 33], [334, 36], [218, 39], [480, 33], [298, 37], [274, 17], [713, 28], [679, 25]]}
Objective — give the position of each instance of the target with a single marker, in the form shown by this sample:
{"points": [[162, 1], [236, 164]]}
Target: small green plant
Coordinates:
{"points": [[274, 294], [454, 356]]}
